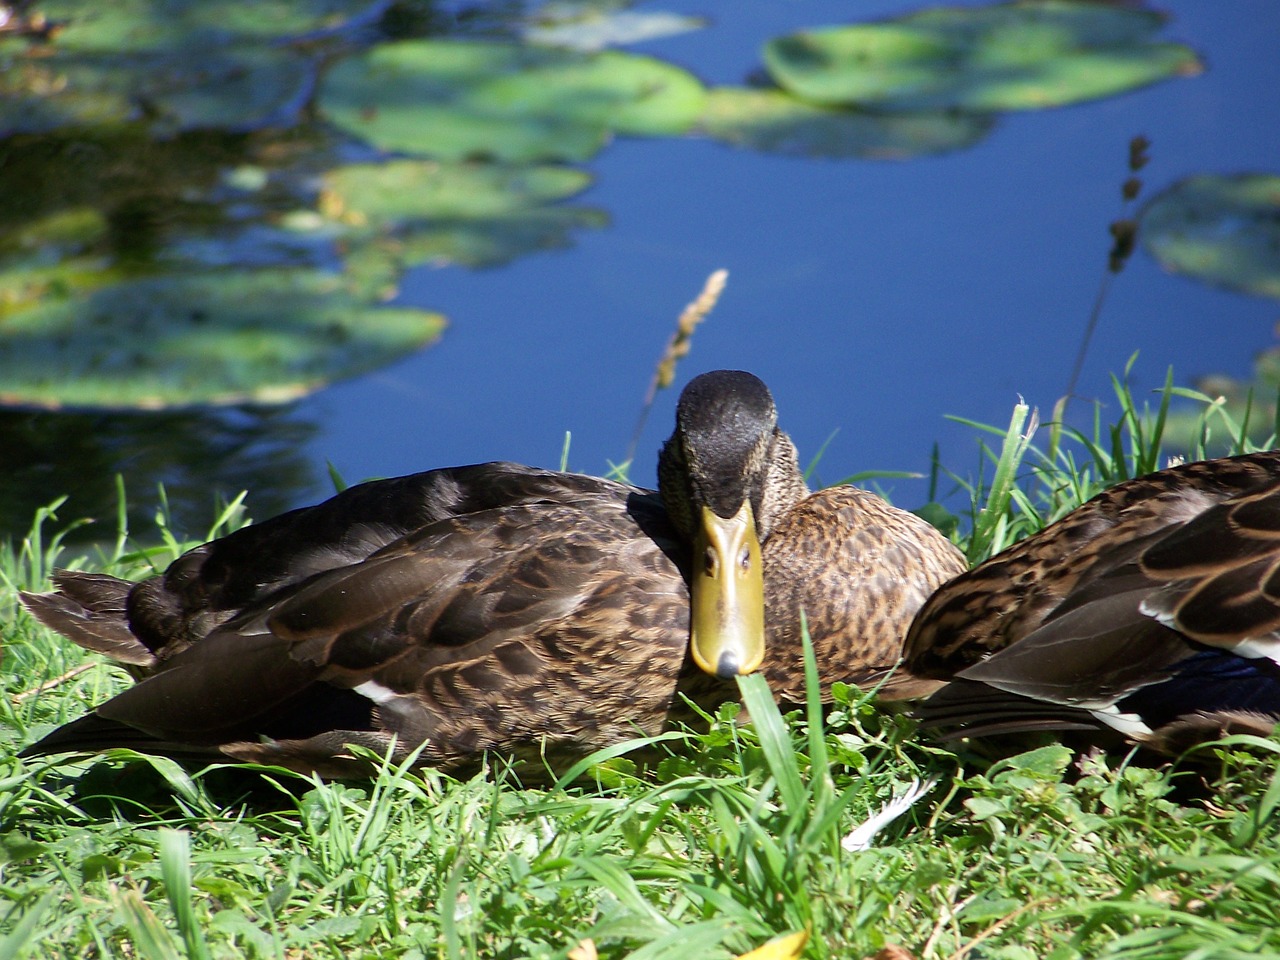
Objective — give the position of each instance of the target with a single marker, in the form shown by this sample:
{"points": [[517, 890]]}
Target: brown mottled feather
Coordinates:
{"points": [[870, 567], [484, 608], [1097, 611]]}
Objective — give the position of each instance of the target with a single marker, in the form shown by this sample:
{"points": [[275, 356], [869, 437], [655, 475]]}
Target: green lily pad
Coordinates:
{"points": [[776, 122], [1024, 55], [1223, 230], [184, 63], [377, 196], [459, 100], [374, 265], [216, 337], [409, 212], [138, 25]]}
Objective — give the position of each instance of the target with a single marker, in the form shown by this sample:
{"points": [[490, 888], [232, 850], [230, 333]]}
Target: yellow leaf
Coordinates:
{"points": [[586, 950], [786, 947]]}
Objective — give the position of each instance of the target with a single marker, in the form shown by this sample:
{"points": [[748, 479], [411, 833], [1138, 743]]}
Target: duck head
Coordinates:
{"points": [[726, 474]]}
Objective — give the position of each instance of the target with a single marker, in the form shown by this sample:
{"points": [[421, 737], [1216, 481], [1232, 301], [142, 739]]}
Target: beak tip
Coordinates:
{"points": [[727, 666], [730, 665]]}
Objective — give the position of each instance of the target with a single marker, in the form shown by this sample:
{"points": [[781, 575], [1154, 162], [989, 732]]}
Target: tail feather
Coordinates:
{"points": [[93, 734], [968, 708], [90, 610]]}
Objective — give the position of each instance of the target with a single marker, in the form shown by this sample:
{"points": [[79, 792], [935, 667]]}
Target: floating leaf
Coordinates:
{"points": [[1024, 55], [139, 25], [410, 212], [214, 337], [1220, 229], [458, 100], [378, 196], [775, 121], [185, 63], [374, 265]]}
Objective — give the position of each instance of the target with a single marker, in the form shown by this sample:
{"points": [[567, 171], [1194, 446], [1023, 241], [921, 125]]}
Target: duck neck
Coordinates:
{"points": [[783, 485]]}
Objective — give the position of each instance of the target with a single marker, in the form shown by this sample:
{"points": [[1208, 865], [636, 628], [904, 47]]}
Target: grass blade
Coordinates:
{"points": [[150, 939], [175, 868], [14, 945], [775, 740]]}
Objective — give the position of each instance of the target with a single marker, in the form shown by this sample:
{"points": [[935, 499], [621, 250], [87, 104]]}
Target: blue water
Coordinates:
{"points": [[873, 297]]}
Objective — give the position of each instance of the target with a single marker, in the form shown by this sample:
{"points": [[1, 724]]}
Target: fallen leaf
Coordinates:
{"points": [[786, 947]]}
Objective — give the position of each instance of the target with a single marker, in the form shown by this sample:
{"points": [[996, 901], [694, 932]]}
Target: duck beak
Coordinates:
{"points": [[727, 621]]}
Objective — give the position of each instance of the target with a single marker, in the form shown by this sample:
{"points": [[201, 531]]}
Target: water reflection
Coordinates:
{"points": [[190, 452]]}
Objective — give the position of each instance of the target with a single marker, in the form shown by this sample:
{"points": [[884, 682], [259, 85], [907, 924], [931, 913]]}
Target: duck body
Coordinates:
{"points": [[431, 609], [1151, 613], [494, 608]]}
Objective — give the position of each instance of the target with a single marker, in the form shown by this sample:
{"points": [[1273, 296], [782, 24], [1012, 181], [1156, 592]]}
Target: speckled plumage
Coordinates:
{"points": [[859, 569], [494, 607], [1153, 611]]}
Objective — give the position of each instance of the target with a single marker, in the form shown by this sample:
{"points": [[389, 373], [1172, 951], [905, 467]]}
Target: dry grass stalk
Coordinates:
{"points": [[678, 347]]}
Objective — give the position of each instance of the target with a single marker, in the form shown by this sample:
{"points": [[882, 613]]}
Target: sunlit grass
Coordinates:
{"points": [[735, 837]]}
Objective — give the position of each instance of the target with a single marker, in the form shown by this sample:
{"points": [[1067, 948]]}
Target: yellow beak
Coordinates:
{"points": [[727, 621]]}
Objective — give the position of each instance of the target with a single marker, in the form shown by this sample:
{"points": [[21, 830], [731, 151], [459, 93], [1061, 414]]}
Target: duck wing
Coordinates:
{"points": [[560, 617], [1163, 618], [217, 580]]}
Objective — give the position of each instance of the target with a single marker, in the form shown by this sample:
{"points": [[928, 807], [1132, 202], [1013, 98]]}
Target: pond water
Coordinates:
{"points": [[873, 297]]}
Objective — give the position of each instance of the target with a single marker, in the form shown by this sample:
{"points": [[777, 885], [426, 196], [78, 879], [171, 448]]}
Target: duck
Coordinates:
{"points": [[1149, 616], [502, 610]]}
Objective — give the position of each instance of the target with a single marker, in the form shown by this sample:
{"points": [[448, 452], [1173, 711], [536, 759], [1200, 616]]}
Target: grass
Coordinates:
{"points": [[733, 839]]}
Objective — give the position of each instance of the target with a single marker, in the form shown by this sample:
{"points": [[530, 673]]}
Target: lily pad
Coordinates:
{"points": [[374, 265], [184, 63], [1223, 230], [409, 212], [776, 122], [217, 337], [1226, 407], [1024, 55], [376, 196], [136, 25], [459, 100]]}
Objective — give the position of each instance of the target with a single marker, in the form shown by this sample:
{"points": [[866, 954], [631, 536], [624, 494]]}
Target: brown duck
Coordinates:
{"points": [[508, 609], [1151, 613]]}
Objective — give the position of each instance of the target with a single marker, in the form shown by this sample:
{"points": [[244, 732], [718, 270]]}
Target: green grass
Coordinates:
{"points": [[732, 839]]}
